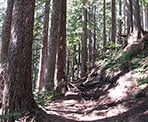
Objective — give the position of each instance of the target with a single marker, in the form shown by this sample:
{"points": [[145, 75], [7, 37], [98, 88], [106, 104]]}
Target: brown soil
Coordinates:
{"points": [[109, 95], [123, 101]]}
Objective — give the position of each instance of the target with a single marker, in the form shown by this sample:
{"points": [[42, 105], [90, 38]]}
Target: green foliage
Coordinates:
{"points": [[143, 81], [124, 60], [37, 32], [74, 23], [139, 94], [125, 56], [135, 65], [146, 1], [100, 17], [111, 45], [107, 66], [43, 98], [111, 63], [139, 64], [14, 114]]}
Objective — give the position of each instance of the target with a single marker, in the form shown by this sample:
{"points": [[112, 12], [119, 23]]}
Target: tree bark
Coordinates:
{"points": [[61, 61], [6, 32], [53, 44], [145, 16], [120, 22], [136, 18], [5, 39], [113, 10], [90, 42], [104, 25], [43, 55], [18, 96], [62, 45], [129, 13], [134, 42], [84, 42], [94, 36]]}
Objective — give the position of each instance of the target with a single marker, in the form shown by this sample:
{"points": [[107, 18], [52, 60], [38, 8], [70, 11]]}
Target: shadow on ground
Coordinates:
{"points": [[109, 94]]}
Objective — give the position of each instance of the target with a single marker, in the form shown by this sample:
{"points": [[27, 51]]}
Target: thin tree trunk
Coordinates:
{"points": [[104, 25], [129, 13], [74, 63], [94, 36], [6, 32], [84, 43], [68, 67], [136, 18], [113, 10], [5, 39], [53, 44], [79, 60], [43, 55], [120, 22], [90, 55], [124, 17], [145, 16]]}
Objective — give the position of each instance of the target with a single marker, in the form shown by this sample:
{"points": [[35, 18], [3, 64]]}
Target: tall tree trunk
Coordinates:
{"points": [[61, 63], [134, 45], [136, 18], [74, 63], [120, 21], [129, 13], [18, 96], [43, 55], [68, 67], [61, 59], [104, 25], [145, 16], [5, 39], [113, 10], [79, 59], [6, 32], [90, 46], [84, 42], [94, 36], [53, 44], [124, 17]]}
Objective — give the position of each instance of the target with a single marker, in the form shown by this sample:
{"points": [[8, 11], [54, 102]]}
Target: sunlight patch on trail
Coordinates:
{"points": [[126, 86]]}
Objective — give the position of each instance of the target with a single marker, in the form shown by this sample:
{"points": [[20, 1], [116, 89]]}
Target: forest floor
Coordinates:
{"points": [[115, 91]]}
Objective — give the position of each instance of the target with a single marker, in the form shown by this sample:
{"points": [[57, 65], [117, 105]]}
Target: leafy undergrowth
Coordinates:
{"points": [[115, 90]]}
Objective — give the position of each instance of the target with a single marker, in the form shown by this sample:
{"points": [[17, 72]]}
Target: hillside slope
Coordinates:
{"points": [[116, 90]]}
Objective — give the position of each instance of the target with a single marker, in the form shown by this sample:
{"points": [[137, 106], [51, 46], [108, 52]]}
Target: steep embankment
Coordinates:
{"points": [[116, 90]]}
